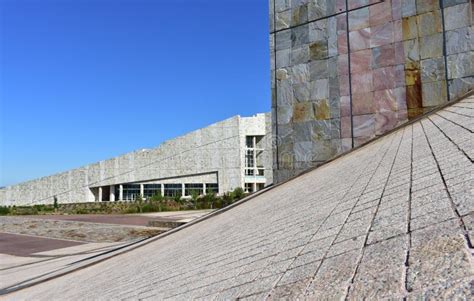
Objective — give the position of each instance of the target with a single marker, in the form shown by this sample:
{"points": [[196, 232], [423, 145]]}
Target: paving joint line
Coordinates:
{"points": [[360, 175], [362, 251], [461, 126], [460, 149], [453, 205]]}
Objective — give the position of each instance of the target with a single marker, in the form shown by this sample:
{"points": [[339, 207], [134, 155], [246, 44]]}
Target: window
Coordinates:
{"points": [[212, 188], [173, 190], [249, 142], [190, 188], [248, 187], [150, 190], [131, 191]]}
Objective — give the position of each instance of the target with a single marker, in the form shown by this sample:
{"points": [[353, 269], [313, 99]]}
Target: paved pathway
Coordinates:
{"points": [[25, 245], [392, 219]]}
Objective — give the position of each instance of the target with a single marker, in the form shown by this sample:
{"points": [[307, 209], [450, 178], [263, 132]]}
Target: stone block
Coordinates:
{"points": [[459, 40], [300, 73], [285, 94], [432, 70], [364, 125], [299, 15], [431, 46], [461, 65], [346, 127], [281, 5], [323, 150], [283, 58], [385, 121], [396, 9], [301, 92], [411, 50], [318, 50], [299, 55], [408, 8], [363, 103], [318, 31], [317, 9], [303, 151], [318, 69], [282, 20], [342, 43], [434, 93], [360, 39], [283, 39], [460, 86], [383, 56], [385, 78], [359, 19], [345, 106], [321, 130], [285, 114], [319, 89], [361, 61], [410, 28], [424, 6], [381, 35], [457, 16], [321, 109], [380, 13], [429, 23], [362, 82], [302, 111], [299, 35]]}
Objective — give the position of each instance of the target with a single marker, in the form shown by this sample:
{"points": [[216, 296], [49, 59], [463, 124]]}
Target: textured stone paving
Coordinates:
{"points": [[393, 219]]}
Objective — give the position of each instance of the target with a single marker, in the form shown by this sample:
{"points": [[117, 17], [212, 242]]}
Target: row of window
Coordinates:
{"points": [[131, 191]]}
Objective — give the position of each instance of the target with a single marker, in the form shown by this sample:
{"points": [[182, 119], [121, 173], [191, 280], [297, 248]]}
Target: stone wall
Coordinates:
{"points": [[345, 72]]}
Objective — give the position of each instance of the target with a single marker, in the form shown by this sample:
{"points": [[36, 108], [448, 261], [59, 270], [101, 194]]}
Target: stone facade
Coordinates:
{"points": [[210, 155], [345, 72]]}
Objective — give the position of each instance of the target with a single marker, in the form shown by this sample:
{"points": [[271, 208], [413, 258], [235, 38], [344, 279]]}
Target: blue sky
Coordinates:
{"points": [[86, 80]]}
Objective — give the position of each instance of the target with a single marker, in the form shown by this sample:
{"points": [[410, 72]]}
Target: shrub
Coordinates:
{"points": [[4, 210], [238, 193]]}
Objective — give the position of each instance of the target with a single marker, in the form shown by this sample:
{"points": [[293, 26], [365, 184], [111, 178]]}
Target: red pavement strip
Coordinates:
{"points": [[135, 220], [25, 245]]}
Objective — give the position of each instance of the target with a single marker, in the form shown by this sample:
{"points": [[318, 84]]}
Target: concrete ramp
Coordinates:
{"points": [[392, 219]]}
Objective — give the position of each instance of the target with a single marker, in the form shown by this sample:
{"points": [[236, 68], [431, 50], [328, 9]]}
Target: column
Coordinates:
{"points": [[142, 190], [162, 189], [120, 192], [204, 188], [254, 187], [182, 189], [100, 194], [112, 193]]}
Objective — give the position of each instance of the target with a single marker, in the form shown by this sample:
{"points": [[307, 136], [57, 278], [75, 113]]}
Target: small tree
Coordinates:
{"points": [[55, 204], [238, 193], [139, 201], [157, 198], [177, 198], [195, 197]]}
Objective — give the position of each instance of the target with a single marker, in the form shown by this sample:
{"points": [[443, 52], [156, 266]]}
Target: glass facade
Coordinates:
{"points": [[190, 188], [150, 190], [130, 191], [212, 188], [172, 190]]}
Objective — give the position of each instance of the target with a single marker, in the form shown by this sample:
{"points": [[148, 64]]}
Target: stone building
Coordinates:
{"points": [[219, 158], [347, 71]]}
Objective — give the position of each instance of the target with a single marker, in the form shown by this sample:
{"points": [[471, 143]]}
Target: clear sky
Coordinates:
{"points": [[87, 80]]}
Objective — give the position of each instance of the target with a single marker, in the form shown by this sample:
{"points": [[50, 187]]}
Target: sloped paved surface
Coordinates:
{"points": [[393, 219]]}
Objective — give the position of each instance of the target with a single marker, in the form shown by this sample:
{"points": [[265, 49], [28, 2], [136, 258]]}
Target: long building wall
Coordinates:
{"points": [[210, 150], [344, 72]]}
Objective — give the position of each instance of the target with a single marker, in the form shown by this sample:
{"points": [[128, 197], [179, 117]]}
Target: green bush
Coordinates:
{"points": [[4, 210]]}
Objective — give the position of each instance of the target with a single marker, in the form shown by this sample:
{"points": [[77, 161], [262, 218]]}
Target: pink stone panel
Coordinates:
{"points": [[360, 39], [343, 65], [340, 5], [399, 53], [363, 103], [385, 121], [362, 82], [357, 3], [384, 56], [396, 9], [380, 13], [400, 97], [381, 35], [386, 100], [384, 78], [346, 127], [345, 106], [398, 31], [361, 61], [364, 125], [341, 23], [342, 43], [344, 85]]}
